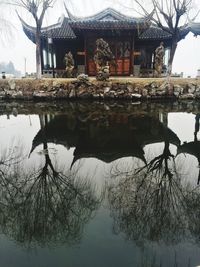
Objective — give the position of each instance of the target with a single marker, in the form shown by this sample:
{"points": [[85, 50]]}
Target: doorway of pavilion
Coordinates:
{"points": [[122, 58]]}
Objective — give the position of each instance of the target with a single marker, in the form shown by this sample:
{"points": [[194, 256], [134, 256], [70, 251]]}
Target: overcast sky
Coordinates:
{"points": [[187, 58]]}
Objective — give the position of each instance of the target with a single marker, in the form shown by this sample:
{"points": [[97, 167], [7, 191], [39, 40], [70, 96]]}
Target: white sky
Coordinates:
{"points": [[187, 58]]}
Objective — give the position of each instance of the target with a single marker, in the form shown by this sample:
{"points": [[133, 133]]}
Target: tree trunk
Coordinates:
{"points": [[172, 53], [38, 53]]}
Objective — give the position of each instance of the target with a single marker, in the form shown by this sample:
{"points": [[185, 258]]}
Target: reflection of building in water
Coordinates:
{"points": [[108, 137]]}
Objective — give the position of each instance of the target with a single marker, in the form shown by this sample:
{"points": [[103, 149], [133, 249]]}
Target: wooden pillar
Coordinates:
{"points": [[85, 52], [132, 54]]}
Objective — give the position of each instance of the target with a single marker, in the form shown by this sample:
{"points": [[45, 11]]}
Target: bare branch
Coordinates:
{"points": [[37, 8], [169, 17]]}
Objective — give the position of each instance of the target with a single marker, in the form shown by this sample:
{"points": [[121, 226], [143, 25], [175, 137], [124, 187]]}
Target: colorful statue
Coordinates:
{"points": [[103, 56], [69, 63], [159, 55]]}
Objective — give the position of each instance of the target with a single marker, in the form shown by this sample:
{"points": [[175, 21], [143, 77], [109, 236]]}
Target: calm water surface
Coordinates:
{"points": [[99, 185]]}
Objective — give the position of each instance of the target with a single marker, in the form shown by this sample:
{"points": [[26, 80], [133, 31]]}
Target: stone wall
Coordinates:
{"points": [[116, 89]]}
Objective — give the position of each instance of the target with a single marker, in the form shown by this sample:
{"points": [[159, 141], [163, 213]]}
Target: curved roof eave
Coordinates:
{"points": [[108, 11], [30, 31], [191, 148], [156, 33], [47, 31], [108, 157], [194, 27]]}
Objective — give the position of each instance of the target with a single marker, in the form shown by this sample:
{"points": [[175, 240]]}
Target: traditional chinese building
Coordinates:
{"points": [[132, 41]]}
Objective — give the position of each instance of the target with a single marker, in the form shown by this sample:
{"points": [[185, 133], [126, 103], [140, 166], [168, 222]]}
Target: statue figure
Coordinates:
{"points": [[69, 63], [159, 55], [103, 56]]}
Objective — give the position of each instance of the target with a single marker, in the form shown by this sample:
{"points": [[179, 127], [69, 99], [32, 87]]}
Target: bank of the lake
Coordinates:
{"points": [[134, 89]]}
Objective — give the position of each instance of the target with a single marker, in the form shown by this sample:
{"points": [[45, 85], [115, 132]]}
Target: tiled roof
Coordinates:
{"points": [[63, 30], [107, 19], [154, 33], [59, 30], [108, 14], [105, 24]]}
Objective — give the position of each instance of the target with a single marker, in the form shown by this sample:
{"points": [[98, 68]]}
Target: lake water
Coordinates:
{"points": [[99, 184]]}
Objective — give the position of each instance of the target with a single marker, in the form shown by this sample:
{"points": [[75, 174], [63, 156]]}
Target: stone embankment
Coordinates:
{"points": [[134, 89]]}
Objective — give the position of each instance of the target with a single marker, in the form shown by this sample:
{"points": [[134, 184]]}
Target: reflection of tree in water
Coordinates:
{"points": [[46, 206], [50, 207], [160, 164], [152, 204], [10, 164]]}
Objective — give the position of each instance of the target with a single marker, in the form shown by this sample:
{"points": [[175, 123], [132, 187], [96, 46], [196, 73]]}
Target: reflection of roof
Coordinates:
{"points": [[109, 155], [192, 148], [107, 143]]}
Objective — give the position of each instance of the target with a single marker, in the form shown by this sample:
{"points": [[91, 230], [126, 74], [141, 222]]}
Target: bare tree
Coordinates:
{"points": [[37, 8], [5, 25], [172, 17]]}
